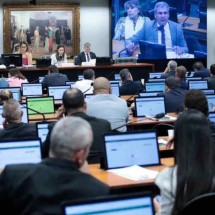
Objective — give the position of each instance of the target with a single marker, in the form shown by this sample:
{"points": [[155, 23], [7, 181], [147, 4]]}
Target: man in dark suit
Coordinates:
{"points": [[54, 78], [174, 95], [211, 80], [74, 105], [14, 128], [86, 55], [41, 188], [129, 87], [200, 70]]}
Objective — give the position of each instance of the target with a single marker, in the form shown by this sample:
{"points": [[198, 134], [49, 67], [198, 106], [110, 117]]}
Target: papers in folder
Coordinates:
{"points": [[92, 62], [135, 173]]}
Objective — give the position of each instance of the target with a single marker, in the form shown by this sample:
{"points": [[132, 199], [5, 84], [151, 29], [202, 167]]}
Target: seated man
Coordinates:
{"points": [[181, 73], [174, 95], [85, 85], [211, 80], [74, 105], [14, 128], [54, 78], [129, 87], [108, 106], [170, 69], [161, 30], [200, 70], [41, 188], [86, 55]]}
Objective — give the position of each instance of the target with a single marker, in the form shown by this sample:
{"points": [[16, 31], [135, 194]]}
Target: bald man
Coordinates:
{"points": [[108, 106]]}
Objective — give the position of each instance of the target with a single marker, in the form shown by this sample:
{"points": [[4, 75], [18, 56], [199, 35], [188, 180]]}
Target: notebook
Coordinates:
{"points": [[57, 91], [149, 106], [198, 84], [155, 74], [155, 86], [32, 89], [20, 151], [129, 204], [211, 102], [24, 116], [40, 105], [16, 91], [42, 130], [115, 89], [133, 148], [152, 93]]}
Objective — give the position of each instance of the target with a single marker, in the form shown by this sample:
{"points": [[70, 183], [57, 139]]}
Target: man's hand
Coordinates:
{"points": [[178, 50], [60, 112], [130, 47]]}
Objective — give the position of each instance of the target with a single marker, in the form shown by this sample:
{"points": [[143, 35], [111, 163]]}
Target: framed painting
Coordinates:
{"points": [[43, 27]]}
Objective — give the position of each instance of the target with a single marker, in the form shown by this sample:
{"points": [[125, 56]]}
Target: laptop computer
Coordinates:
{"points": [[156, 79], [155, 86], [155, 75], [149, 106], [103, 61], [42, 130], [208, 91], [40, 105], [193, 78], [133, 148], [115, 89], [24, 116], [32, 89], [189, 74], [57, 91], [43, 62], [20, 151], [211, 116], [197, 84], [71, 83], [80, 77], [211, 102], [152, 93], [129, 204], [41, 79], [16, 91], [117, 77]]}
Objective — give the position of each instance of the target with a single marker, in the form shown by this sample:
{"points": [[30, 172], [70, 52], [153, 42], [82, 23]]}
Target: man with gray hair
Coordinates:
{"points": [[42, 187], [14, 128], [170, 69], [86, 55]]}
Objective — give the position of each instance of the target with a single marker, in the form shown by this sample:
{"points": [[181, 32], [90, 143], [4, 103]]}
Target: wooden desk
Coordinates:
{"points": [[118, 182], [39, 117]]}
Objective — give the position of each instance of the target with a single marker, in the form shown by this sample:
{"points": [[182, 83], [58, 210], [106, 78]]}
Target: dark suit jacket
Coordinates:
{"points": [[131, 87], [19, 131], [54, 79], [211, 82], [40, 188], [82, 58], [203, 73], [174, 100], [99, 127], [183, 84], [168, 74]]}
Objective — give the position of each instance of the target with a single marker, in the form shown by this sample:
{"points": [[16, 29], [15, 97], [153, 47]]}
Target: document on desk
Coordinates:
{"points": [[135, 173]]}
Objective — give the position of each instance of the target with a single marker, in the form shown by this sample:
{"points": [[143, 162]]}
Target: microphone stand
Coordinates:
{"points": [[44, 119]]}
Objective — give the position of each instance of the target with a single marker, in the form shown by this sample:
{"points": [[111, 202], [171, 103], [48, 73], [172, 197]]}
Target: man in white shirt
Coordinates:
{"points": [[86, 85]]}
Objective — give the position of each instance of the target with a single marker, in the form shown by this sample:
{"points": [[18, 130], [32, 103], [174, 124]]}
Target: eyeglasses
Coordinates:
{"points": [[23, 47], [165, 13]]}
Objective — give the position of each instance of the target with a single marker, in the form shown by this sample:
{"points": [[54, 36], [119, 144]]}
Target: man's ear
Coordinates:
{"points": [[110, 90], [21, 113], [79, 157], [85, 105]]}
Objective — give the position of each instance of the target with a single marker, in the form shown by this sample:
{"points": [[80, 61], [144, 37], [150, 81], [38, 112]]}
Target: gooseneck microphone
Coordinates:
{"points": [[91, 85], [127, 100]]}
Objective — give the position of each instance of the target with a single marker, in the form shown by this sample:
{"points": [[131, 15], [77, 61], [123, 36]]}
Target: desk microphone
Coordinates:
{"points": [[125, 49], [91, 85], [35, 81], [183, 23], [159, 115], [44, 119], [127, 100]]}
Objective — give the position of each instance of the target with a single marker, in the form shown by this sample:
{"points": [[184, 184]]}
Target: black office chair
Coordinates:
{"points": [[199, 205], [172, 14], [200, 54], [162, 128], [150, 50], [203, 20], [193, 44]]}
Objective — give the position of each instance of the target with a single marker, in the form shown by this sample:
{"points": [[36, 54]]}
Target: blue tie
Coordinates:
{"points": [[88, 58], [161, 28]]}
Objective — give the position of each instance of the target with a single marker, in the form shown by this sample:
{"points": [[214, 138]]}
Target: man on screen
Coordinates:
{"points": [[161, 31]]}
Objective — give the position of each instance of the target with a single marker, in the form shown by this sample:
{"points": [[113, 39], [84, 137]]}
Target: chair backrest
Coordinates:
{"points": [[199, 205], [162, 128], [193, 44]]}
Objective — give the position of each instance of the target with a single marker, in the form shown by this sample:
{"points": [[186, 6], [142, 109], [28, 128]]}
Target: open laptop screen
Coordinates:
{"points": [[115, 88], [146, 94], [198, 84], [71, 83], [19, 151], [16, 91], [155, 86], [155, 74], [208, 91], [42, 130], [149, 106], [57, 91], [133, 204], [211, 102], [40, 104], [136, 148], [212, 117], [32, 89]]}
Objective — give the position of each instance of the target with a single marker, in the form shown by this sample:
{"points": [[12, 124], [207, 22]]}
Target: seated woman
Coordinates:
{"points": [[16, 78], [26, 56], [59, 56], [193, 173]]}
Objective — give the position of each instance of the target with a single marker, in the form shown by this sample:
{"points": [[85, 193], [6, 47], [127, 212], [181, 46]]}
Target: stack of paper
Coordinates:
{"points": [[135, 173]]}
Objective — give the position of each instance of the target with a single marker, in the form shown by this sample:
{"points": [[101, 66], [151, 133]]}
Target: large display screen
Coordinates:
{"points": [[151, 29]]}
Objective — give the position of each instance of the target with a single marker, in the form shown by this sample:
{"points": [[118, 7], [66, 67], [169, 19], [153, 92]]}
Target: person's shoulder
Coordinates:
{"points": [[121, 20]]}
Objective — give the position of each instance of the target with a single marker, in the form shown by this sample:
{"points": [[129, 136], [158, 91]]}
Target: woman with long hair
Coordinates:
{"points": [[59, 56], [16, 78], [193, 173]]}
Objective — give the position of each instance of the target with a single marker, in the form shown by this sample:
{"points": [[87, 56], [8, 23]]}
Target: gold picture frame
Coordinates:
{"points": [[53, 24]]}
